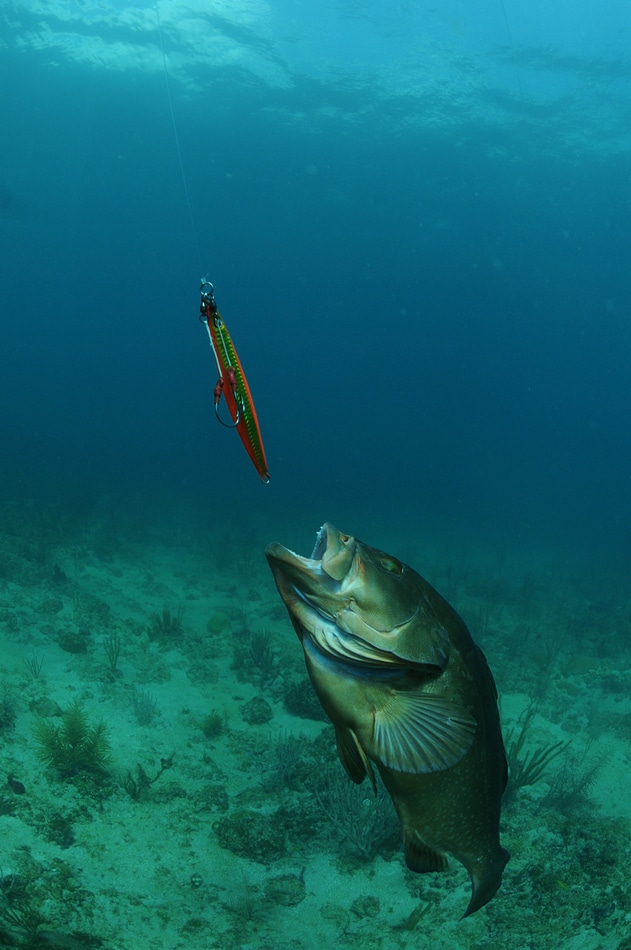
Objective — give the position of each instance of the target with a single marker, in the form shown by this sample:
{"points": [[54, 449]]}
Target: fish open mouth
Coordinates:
{"points": [[313, 591], [301, 580], [331, 560], [320, 546]]}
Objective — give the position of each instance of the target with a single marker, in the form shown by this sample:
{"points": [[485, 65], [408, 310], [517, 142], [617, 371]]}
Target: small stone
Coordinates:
{"points": [[46, 707], [257, 711], [51, 606], [286, 889], [252, 835], [219, 624], [73, 641], [366, 906], [335, 915]]}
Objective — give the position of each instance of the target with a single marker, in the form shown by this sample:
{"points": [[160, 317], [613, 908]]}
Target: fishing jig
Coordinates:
{"points": [[232, 382]]}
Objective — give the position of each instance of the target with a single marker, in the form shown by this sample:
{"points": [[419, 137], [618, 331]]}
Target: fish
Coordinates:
{"points": [[409, 694]]}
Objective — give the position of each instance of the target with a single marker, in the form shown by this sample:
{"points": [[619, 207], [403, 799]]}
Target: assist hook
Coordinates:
{"points": [[208, 311]]}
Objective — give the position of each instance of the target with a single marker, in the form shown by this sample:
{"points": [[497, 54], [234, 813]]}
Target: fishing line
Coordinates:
{"points": [[177, 143], [513, 53]]}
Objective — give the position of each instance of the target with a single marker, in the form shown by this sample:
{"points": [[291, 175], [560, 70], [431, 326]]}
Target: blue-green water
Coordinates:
{"points": [[417, 225], [416, 217]]}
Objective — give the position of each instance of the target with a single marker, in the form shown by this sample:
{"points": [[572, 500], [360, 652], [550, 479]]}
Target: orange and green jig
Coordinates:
{"points": [[232, 382]]}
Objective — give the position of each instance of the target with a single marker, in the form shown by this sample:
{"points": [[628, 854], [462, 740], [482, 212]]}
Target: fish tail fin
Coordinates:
{"points": [[485, 881]]}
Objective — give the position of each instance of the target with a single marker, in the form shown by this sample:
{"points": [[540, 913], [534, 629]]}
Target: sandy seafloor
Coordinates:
{"points": [[231, 846]]}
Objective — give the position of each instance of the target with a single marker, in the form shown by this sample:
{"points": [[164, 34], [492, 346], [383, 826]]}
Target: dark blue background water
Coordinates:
{"points": [[433, 316]]}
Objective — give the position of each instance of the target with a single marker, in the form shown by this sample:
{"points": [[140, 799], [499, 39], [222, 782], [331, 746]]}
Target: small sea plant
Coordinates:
{"points": [[363, 819], [112, 647], [571, 784], [279, 762], [18, 911], [75, 745], [527, 768], [166, 626], [145, 706], [139, 785], [421, 910], [213, 724], [34, 665], [8, 707], [21, 916], [254, 658]]}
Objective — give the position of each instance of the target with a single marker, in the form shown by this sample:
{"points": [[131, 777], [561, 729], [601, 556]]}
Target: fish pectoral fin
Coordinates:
{"points": [[353, 757], [419, 857], [419, 732]]}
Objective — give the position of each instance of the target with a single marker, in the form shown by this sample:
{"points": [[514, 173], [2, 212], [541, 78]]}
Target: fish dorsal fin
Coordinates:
{"points": [[419, 732], [353, 757]]}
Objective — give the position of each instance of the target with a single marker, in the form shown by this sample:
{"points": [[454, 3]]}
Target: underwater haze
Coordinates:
{"points": [[416, 215]]}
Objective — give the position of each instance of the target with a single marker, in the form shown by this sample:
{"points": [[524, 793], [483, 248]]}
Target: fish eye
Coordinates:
{"points": [[344, 538], [391, 565]]}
